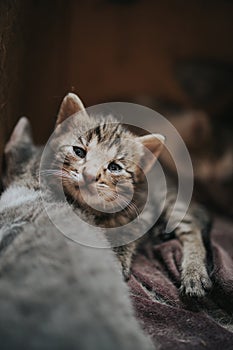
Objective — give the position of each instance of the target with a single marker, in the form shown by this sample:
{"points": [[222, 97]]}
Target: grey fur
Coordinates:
{"points": [[54, 293]]}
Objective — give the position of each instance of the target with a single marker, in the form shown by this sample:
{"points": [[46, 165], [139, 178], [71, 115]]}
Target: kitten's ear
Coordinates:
{"points": [[154, 143], [21, 135], [20, 146], [71, 104]]}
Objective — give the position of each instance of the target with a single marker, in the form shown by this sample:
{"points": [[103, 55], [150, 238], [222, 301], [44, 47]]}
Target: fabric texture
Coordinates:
{"points": [[176, 322]]}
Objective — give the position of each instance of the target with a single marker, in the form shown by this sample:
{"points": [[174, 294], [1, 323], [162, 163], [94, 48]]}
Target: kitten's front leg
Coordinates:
{"points": [[195, 280], [126, 252], [125, 255]]}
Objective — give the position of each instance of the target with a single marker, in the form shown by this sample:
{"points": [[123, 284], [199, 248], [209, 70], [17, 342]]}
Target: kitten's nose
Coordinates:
{"points": [[88, 177]]}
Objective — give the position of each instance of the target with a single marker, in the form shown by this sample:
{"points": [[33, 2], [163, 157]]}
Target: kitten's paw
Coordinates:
{"points": [[195, 282]]}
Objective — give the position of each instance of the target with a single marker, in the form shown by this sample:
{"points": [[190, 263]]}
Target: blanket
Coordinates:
{"points": [[180, 323]]}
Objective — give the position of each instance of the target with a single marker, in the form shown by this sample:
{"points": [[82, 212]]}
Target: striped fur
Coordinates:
{"points": [[104, 141]]}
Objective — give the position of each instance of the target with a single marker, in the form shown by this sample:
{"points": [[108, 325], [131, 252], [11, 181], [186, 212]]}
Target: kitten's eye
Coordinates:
{"points": [[80, 152], [114, 168]]}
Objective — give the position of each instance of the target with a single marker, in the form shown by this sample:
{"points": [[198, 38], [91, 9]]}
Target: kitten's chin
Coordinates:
{"points": [[95, 203], [98, 201]]}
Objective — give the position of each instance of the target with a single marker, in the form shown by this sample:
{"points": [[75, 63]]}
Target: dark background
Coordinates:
{"points": [[177, 54]]}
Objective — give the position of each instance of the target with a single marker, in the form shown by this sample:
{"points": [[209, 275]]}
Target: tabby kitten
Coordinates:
{"points": [[104, 165]]}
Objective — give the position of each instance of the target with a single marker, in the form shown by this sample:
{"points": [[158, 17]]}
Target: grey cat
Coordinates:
{"points": [[54, 293]]}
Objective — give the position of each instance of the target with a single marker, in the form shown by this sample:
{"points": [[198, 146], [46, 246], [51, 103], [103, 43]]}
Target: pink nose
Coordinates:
{"points": [[88, 177]]}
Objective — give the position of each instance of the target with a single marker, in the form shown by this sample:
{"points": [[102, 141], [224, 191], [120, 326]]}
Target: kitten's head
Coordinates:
{"points": [[101, 163]]}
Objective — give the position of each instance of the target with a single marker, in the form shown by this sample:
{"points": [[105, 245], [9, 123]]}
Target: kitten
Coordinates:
{"points": [[55, 294], [99, 154]]}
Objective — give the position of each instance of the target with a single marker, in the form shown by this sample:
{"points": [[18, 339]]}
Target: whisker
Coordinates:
{"points": [[129, 205], [59, 173]]}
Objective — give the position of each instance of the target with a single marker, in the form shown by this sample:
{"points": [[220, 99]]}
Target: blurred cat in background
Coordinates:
{"points": [[211, 149], [209, 142]]}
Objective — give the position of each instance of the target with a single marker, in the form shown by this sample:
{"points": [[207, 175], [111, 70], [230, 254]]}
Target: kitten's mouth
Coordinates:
{"points": [[98, 194], [89, 189]]}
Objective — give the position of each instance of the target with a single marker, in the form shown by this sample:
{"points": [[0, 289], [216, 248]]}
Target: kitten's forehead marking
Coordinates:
{"points": [[83, 141], [120, 157], [93, 143]]}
